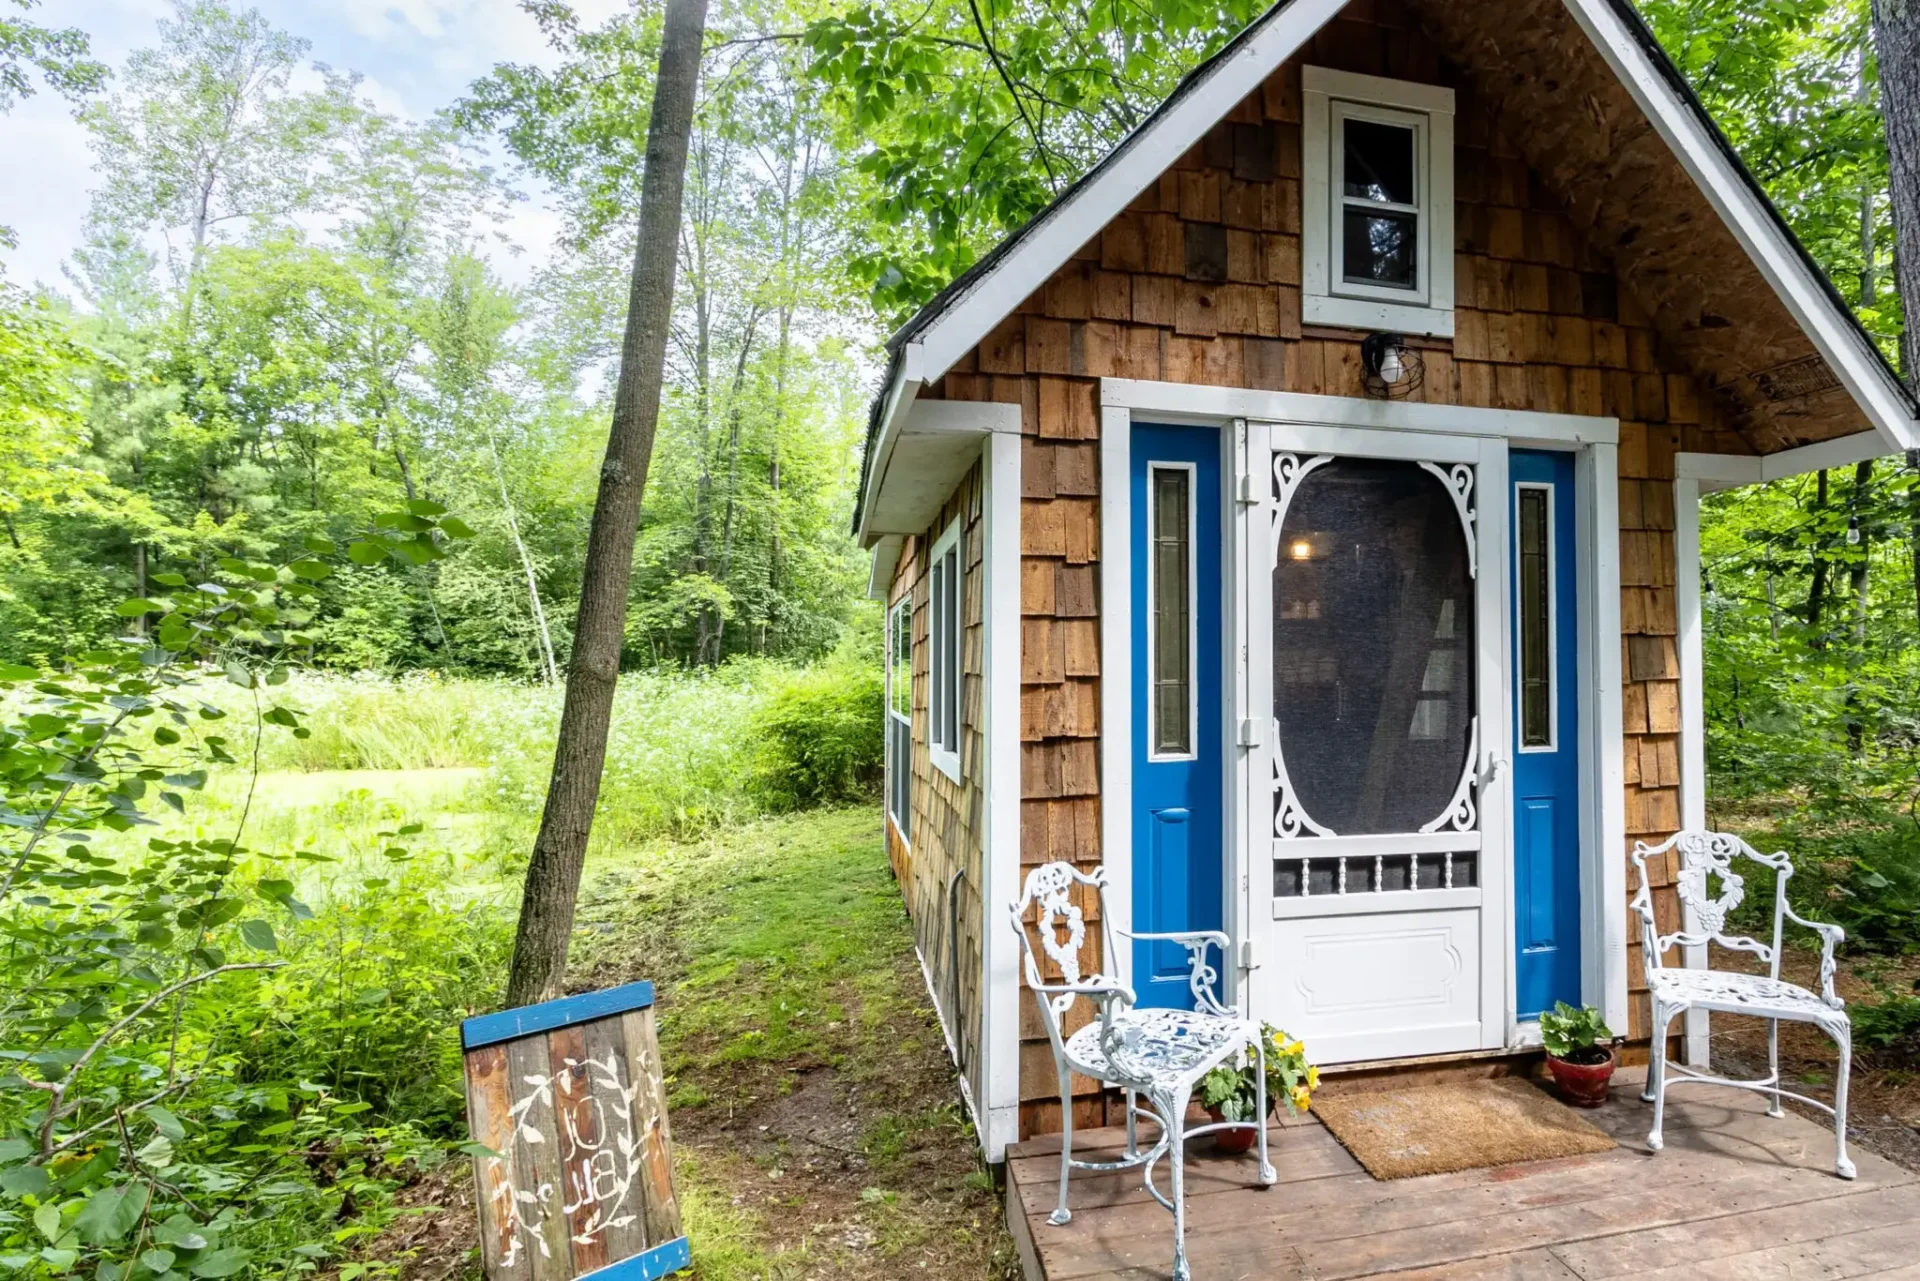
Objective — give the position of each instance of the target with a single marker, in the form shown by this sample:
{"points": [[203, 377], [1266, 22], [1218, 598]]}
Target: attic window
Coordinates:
{"points": [[1378, 206]]}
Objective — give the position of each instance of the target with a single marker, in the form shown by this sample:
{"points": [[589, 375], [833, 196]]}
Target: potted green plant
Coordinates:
{"points": [[1230, 1091], [1579, 1053]]}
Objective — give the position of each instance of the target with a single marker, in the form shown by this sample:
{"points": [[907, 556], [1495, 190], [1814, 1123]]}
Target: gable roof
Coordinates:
{"points": [[1640, 142]]}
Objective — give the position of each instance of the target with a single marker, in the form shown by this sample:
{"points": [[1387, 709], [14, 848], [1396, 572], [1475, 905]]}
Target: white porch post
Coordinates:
{"points": [[1116, 672], [1000, 986], [1693, 723]]}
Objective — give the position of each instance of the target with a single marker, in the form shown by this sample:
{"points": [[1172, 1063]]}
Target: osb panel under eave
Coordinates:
{"points": [[1623, 188], [1199, 282], [945, 824]]}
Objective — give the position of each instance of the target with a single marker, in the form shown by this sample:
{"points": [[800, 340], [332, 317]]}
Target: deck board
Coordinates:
{"points": [[1735, 1194]]}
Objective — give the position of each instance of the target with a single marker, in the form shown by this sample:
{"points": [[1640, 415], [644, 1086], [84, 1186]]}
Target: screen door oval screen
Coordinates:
{"points": [[1373, 646]]}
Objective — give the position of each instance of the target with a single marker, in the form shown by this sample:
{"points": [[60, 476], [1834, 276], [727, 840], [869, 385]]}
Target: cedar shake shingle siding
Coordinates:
{"points": [[1198, 281]]}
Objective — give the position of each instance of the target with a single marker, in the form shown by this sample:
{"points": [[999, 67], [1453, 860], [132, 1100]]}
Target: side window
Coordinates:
{"points": [[945, 598], [1171, 711], [900, 717], [1377, 208]]}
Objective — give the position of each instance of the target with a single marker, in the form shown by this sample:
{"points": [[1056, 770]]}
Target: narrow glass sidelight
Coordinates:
{"points": [[1536, 616], [1170, 628]]}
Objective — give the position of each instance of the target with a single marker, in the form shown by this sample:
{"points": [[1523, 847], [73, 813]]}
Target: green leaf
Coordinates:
{"points": [[111, 1213], [221, 1263], [367, 552], [258, 935], [166, 1122], [166, 737], [181, 1232], [15, 672], [320, 546], [15, 1149], [425, 507], [137, 606], [157, 1260], [24, 1180], [47, 1220], [311, 570], [454, 527]]}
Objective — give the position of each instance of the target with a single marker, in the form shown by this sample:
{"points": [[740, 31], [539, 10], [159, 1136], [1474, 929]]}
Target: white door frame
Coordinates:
{"points": [[1594, 442]]}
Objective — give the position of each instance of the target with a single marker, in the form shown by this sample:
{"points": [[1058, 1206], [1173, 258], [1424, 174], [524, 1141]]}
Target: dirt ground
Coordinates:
{"points": [[1883, 1109]]}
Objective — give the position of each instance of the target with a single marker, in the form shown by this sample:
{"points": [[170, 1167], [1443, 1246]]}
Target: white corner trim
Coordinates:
{"points": [[1116, 670], [1602, 509], [1833, 335], [1131, 169], [1187, 403], [1000, 985], [1693, 723]]}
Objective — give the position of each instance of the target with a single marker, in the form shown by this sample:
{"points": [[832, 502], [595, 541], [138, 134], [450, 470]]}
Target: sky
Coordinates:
{"points": [[417, 56]]}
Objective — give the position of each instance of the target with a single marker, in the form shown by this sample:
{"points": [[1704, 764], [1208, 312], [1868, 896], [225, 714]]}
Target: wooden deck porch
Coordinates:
{"points": [[1736, 1196]]}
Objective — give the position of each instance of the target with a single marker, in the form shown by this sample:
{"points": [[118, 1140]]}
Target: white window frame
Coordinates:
{"points": [[899, 662], [1193, 619], [1553, 626], [945, 640], [1329, 99]]}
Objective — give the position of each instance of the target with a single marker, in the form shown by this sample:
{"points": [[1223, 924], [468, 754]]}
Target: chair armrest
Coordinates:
{"points": [[1098, 990], [1201, 976], [1831, 936]]}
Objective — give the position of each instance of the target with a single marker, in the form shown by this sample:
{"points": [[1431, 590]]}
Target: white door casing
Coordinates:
{"points": [[1361, 968]]}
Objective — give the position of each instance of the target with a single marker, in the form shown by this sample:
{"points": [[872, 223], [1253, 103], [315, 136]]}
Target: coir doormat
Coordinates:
{"points": [[1435, 1129]]}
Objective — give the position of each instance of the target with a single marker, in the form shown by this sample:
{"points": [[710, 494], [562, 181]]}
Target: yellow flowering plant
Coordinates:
{"points": [[1231, 1089]]}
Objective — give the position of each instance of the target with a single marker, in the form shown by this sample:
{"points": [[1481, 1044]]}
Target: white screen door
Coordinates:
{"points": [[1375, 679]]}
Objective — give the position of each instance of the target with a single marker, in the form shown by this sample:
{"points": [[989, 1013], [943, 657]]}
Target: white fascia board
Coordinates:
{"points": [[908, 418], [1839, 342], [1184, 402], [1136, 165], [1724, 471], [899, 396], [886, 558]]}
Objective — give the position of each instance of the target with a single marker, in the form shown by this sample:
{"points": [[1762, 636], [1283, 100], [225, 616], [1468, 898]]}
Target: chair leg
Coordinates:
{"points": [[1061, 1214], [1657, 1075], [1133, 1138], [1773, 1068], [1842, 1164], [1268, 1175], [1176, 1156]]}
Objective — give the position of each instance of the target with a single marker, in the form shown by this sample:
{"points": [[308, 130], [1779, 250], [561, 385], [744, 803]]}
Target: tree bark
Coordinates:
{"points": [[1817, 590], [1896, 39], [560, 851]]}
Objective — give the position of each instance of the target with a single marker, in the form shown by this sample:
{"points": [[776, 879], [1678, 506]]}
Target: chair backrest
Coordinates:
{"points": [[1050, 890], [1705, 855]]}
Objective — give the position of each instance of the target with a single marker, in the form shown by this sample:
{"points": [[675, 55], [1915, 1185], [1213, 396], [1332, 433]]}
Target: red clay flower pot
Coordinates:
{"points": [[1230, 1142], [1582, 1084]]}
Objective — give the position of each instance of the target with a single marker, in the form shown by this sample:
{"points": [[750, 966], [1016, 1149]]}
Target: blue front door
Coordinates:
{"points": [[1177, 781], [1546, 747]]}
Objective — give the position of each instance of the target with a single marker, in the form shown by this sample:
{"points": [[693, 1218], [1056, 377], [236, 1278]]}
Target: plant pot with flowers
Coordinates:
{"points": [[1231, 1091], [1579, 1053]]}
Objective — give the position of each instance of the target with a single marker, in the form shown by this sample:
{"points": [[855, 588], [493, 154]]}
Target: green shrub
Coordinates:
{"points": [[821, 736], [1890, 1031]]}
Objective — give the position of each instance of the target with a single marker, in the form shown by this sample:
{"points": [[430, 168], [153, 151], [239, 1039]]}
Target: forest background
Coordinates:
{"points": [[289, 470]]}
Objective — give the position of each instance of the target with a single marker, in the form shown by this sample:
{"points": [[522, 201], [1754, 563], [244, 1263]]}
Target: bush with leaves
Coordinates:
{"points": [[132, 1142], [821, 736]]}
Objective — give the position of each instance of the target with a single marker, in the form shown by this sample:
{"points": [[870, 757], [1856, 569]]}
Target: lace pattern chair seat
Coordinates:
{"points": [[1705, 857], [1159, 1049], [1161, 1054]]}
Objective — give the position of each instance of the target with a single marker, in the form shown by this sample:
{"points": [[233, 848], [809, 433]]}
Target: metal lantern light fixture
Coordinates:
{"points": [[1390, 368]]}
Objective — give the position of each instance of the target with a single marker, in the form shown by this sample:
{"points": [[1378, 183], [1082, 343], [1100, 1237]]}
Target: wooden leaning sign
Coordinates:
{"points": [[578, 1177]]}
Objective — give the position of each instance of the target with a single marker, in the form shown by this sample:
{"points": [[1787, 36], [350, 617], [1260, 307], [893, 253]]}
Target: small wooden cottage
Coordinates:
{"points": [[1299, 517]]}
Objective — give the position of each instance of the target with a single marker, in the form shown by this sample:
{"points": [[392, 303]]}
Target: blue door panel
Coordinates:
{"points": [[1177, 828], [1546, 792]]}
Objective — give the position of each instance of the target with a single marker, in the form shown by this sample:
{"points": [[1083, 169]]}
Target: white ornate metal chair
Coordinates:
{"points": [[1159, 1053], [1767, 996]]}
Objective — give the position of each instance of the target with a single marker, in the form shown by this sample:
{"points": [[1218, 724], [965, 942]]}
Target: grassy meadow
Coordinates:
{"points": [[819, 1130]]}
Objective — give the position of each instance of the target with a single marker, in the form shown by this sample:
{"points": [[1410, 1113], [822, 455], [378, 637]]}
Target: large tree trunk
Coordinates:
{"points": [[1896, 38], [560, 850], [1817, 591]]}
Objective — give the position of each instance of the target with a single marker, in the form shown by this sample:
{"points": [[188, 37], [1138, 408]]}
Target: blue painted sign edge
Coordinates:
{"points": [[670, 1256], [528, 1020]]}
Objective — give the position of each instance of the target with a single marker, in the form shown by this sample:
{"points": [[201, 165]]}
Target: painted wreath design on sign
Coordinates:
{"points": [[598, 1162]]}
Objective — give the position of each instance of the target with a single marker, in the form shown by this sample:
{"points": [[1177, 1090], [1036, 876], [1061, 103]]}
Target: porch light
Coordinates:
{"points": [[1390, 368], [1301, 549]]}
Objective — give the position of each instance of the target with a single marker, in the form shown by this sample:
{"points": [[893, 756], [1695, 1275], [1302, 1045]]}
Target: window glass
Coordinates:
{"points": [[943, 634], [1372, 646], [900, 661], [1379, 162], [1169, 511], [1536, 642], [1380, 248]]}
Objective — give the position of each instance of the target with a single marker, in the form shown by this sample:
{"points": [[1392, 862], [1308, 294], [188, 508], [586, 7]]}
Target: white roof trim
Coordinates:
{"points": [[1723, 471], [1863, 374], [1142, 157]]}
